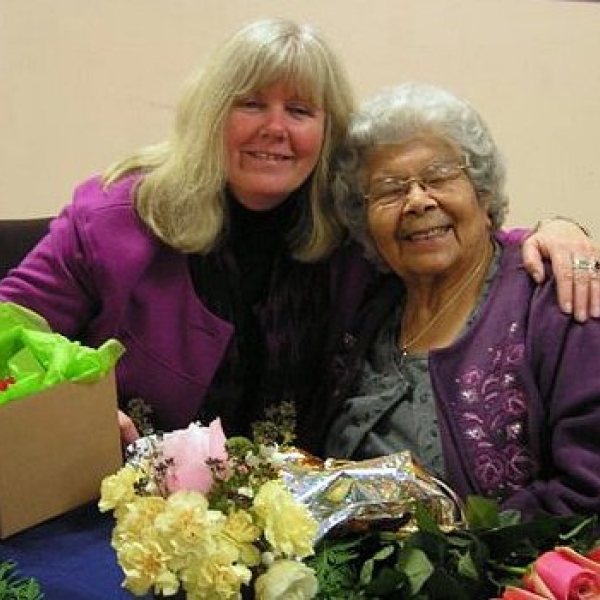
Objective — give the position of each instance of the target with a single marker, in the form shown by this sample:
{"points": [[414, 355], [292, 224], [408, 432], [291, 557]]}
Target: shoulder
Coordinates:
{"points": [[511, 270], [93, 196], [518, 298], [98, 209], [103, 222]]}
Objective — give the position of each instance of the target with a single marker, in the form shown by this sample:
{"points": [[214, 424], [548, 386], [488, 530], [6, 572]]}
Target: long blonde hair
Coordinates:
{"points": [[181, 194]]}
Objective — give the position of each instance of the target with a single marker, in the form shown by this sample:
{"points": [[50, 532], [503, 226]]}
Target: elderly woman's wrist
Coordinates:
{"points": [[546, 220]]}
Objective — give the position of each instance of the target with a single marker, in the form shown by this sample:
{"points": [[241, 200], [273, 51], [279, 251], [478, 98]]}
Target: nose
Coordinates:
{"points": [[417, 199], [273, 125]]}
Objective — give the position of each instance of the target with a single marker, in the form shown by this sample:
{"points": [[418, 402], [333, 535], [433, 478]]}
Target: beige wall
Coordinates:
{"points": [[85, 81]]}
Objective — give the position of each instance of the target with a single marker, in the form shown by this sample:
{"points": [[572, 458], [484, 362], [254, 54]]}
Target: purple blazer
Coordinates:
{"points": [[100, 274]]}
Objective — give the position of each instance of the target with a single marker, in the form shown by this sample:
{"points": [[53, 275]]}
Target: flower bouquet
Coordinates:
{"points": [[207, 517]]}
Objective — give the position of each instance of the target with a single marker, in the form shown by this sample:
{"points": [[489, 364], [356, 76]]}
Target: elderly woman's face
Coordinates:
{"points": [[273, 140], [432, 224]]}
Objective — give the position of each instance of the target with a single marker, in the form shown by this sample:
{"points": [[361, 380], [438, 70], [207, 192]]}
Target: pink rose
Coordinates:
{"points": [[561, 574], [565, 575], [187, 451]]}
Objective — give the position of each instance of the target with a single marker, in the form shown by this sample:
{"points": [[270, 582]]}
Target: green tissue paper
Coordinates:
{"points": [[33, 357]]}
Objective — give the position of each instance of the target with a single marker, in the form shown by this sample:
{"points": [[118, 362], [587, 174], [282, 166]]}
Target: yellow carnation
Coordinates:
{"points": [[135, 520], [288, 525], [211, 579], [146, 564], [139, 551], [286, 580], [242, 530], [119, 488], [191, 531]]}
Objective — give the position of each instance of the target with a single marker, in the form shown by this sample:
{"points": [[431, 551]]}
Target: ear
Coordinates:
{"points": [[485, 201]]}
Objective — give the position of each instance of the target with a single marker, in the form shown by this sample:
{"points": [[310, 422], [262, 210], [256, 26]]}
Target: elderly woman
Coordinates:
{"points": [[459, 356]]}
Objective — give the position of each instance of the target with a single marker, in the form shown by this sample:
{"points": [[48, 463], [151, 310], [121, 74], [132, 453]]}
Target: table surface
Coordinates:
{"points": [[70, 556]]}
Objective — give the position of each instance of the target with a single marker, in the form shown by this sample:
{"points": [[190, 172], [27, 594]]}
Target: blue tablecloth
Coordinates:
{"points": [[70, 556]]}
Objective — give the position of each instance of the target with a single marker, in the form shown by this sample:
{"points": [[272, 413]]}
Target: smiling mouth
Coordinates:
{"points": [[425, 234], [268, 156]]}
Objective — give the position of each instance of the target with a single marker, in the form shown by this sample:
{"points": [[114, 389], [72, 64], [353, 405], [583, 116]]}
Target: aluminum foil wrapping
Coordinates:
{"points": [[350, 496], [380, 493]]}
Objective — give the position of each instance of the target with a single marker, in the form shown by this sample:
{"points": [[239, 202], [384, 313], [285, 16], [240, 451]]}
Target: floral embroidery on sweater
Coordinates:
{"points": [[491, 405]]}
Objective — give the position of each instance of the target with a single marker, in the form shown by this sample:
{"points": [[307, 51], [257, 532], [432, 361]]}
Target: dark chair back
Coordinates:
{"points": [[17, 238]]}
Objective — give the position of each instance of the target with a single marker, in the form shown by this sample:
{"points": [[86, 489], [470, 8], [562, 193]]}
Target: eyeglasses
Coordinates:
{"points": [[388, 191]]}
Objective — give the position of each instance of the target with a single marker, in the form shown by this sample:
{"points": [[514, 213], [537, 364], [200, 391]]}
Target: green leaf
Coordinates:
{"points": [[435, 545], [467, 567], [482, 512], [417, 568], [425, 520], [387, 582], [509, 517], [581, 534], [384, 553], [13, 587], [368, 569], [443, 586], [366, 572]]}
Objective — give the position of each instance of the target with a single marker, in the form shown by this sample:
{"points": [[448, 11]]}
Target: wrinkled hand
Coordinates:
{"points": [[129, 433], [561, 241]]}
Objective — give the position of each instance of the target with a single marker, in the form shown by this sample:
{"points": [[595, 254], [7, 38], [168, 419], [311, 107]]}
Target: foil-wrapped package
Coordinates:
{"points": [[380, 493]]}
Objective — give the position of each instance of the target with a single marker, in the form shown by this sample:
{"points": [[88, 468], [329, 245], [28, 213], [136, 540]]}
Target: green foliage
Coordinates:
{"points": [[472, 563], [13, 587], [278, 426], [336, 566]]}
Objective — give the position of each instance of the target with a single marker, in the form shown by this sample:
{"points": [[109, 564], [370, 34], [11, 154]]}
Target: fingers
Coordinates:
{"points": [[570, 292], [586, 287], [573, 256], [532, 260], [578, 287], [595, 297], [576, 269], [128, 431]]}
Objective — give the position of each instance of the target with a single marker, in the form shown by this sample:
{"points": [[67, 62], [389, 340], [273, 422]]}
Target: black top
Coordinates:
{"points": [[278, 307]]}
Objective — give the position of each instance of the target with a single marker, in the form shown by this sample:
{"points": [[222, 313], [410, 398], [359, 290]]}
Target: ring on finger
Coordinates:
{"points": [[582, 265]]}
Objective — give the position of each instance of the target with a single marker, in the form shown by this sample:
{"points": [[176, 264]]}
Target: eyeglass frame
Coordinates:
{"points": [[407, 183]]}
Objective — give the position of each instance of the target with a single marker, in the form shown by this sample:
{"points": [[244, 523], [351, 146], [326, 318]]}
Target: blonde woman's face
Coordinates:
{"points": [[273, 140]]}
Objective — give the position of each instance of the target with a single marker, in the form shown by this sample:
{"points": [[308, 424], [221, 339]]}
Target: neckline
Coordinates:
{"points": [[489, 272]]}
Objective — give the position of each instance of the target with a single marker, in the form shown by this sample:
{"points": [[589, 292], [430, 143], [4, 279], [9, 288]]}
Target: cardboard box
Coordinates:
{"points": [[55, 449]]}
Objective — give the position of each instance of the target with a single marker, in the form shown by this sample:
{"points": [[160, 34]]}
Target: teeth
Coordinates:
{"points": [[267, 156], [430, 233]]}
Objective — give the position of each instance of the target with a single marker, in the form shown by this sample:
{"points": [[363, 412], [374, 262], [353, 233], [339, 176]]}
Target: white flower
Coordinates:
{"points": [[286, 580], [246, 491]]}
